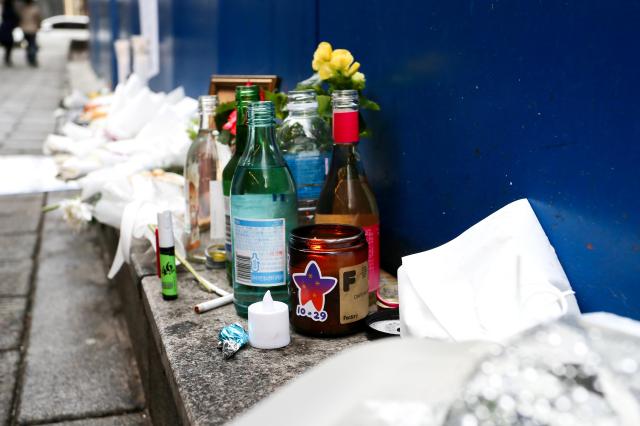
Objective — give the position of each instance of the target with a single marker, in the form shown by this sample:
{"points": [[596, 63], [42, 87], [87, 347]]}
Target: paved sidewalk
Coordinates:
{"points": [[28, 97], [65, 355]]}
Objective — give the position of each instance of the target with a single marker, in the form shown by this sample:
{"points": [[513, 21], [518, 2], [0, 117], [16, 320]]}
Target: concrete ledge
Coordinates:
{"points": [[185, 378], [159, 399]]}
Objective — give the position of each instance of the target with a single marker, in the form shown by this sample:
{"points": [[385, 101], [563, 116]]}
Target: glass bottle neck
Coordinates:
{"points": [[262, 149], [345, 150], [207, 121], [242, 134], [242, 127], [303, 113], [262, 136], [345, 162]]}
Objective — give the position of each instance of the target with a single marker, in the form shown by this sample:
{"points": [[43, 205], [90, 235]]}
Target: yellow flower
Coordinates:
{"points": [[353, 68], [329, 63], [323, 52], [341, 59], [325, 71], [358, 80], [358, 77]]}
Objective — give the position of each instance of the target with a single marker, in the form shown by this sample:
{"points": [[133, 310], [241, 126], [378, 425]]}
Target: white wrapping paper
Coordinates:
{"points": [[499, 277]]}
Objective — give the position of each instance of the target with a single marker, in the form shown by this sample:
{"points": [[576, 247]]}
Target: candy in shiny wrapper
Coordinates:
{"points": [[231, 338]]}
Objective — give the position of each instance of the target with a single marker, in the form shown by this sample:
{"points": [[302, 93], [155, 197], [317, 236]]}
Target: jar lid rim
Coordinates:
{"points": [[345, 233]]}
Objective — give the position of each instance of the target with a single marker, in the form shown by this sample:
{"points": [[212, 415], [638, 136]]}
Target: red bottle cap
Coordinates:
{"points": [[345, 127]]}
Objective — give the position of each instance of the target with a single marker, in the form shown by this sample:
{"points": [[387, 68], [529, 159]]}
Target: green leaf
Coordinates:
{"points": [[279, 100], [192, 129], [362, 124], [309, 83], [93, 200], [225, 107], [225, 137], [366, 133], [366, 103], [324, 106], [193, 133]]}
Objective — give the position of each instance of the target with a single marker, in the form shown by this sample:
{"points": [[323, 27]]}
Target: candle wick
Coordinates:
{"points": [[267, 301]]}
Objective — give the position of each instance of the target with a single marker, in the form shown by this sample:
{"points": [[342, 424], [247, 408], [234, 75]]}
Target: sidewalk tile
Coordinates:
{"points": [[20, 214], [12, 310], [8, 373], [137, 419], [77, 344], [15, 277], [18, 246]]}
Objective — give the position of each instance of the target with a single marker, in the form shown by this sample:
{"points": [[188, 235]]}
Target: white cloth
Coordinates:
{"points": [[499, 277]]}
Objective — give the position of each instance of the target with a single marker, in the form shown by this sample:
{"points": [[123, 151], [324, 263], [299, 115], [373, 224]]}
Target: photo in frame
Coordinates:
{"points": [[224, 86]]}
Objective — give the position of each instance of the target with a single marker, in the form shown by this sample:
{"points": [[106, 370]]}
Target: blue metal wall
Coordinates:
{"points": [[102, 21], [484, 102]]}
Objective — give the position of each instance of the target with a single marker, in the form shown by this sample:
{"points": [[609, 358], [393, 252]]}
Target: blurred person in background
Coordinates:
{"points": [[10, 21], [30, 19]]}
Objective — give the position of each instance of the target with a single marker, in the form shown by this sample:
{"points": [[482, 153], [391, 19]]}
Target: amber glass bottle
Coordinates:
{"points": [[346, 197]]}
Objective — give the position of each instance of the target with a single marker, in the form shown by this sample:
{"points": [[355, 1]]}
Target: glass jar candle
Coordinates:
{"points": [[329, 279]]}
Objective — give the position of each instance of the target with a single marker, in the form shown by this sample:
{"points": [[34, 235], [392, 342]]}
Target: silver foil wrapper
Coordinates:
{"points": [[231, 339]]}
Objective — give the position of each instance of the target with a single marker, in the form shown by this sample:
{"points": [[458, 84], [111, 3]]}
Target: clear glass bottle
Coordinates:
{"points": [[200, 168], [263, 213], [305, 143], [346, 197], [244, 96]]}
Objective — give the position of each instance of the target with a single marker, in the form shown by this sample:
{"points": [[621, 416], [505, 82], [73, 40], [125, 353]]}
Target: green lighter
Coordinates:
{"points": [[168, 274]]}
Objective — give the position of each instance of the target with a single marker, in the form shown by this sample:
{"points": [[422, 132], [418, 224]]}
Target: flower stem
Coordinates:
{"points": [[50, 208]]}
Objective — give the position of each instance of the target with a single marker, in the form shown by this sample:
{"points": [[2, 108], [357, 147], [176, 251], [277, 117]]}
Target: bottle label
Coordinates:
{"points": [[260, 225], [191, 221], [345, 127], [227, 227], [372, 233], [312, 289], [217, 211], [309, 173], [168, 275], [354, 286]]}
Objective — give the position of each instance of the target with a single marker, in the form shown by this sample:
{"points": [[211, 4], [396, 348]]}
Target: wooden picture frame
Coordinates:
{"points": [[224, 86]]}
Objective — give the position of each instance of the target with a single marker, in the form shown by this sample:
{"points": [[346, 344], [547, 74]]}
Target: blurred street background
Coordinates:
{"points": [[65, 356]]}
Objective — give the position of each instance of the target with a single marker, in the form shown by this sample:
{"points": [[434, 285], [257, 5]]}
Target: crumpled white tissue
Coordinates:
{"points": [[499, 277]]}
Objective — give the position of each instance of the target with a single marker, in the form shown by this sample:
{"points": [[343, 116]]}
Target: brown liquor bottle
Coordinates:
{"points": [[346, 197]]}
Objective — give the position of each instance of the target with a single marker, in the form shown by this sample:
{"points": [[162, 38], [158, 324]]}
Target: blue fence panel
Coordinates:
{"points": [[483, 102], [101, 36], [128, 12], [195, 44], [267, 37]]}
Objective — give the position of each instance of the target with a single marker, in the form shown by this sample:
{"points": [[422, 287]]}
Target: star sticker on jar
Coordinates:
{"points": [[312, 286]]}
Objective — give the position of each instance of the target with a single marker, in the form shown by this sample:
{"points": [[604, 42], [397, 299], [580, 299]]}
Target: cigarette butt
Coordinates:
{"points": [[213, 303]]}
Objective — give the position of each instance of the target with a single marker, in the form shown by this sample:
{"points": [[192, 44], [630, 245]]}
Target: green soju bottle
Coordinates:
{"points": [[263, 213], [244, 96]]}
